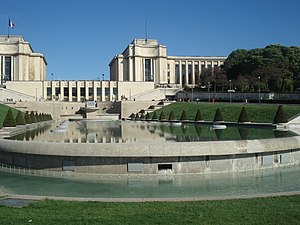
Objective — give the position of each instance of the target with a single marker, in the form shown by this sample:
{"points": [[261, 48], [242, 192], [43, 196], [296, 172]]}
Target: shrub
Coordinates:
{"points": [[218, 116], [244, 118], [183, 116], [137, 117], [280, 116], [147, 116], [154, 116], [27, 118], [162, 116], [132, 116], [20, 119], [32, 117], [9, 120], [198, 116], [172, 116]]}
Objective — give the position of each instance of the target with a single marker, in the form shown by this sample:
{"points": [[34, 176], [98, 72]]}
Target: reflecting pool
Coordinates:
{"points": [[188, 186], [143, 132]]}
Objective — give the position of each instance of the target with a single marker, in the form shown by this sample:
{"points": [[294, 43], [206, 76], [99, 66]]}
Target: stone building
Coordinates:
{"points": [[143, 71]]}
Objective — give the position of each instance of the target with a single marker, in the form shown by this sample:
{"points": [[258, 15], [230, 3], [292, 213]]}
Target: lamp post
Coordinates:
{"points": [[258, 90], [230, 90], [102, 76]]}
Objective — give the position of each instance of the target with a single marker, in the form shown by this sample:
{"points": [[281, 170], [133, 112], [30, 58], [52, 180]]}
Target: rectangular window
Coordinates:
{"points": [[183, 74], [115, 91], [91, 93], [197, 75], [177, 78], [66, 93], [49, 93], [148, 70], [106, 92], [190, 73], [7, 71], [99, 93]]}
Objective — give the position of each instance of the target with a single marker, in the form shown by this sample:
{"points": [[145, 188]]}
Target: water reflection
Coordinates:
{"points": [[143, 132]]}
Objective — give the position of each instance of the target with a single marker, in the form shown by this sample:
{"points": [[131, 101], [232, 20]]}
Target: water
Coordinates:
{"points": [[132, 132], [187, 186]]}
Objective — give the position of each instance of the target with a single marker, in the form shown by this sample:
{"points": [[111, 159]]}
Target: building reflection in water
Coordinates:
{"points": [[142, 132]]}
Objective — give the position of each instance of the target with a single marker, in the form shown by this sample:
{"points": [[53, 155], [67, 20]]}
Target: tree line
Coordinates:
{"points": [[274, 68]]}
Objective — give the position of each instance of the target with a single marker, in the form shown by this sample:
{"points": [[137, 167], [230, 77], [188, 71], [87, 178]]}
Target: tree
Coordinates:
{"points": [[27, 118], [147, 116], [20, 119], [183, 116], [162, 116], [198, 116], [9, 120], [280, 116], [243, 118], [218, 116], [154, 116], [172, 116], [32, 117]]}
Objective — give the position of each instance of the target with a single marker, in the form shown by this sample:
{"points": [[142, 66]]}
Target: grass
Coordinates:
{"points": [[263, 113], [273, 210]]}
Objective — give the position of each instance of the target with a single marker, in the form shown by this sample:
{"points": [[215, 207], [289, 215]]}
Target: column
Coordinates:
{"points": [[130, 68], [193, 73], [78, 91], [95, 84], [180, 73], [86, 89], [61, 90], [70, 87]]}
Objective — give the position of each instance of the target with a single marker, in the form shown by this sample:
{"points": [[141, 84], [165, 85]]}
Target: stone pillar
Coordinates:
{"points": [[78, 91], [95, 90], [130, 72], [193, 73], [70, 86]]}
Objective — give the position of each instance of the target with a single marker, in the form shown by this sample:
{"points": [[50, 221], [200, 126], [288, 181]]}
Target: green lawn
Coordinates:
{"points": [[263, 113], [273, 210]]}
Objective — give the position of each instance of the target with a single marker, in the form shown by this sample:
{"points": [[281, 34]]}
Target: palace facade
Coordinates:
{"points": [[143, 71]]}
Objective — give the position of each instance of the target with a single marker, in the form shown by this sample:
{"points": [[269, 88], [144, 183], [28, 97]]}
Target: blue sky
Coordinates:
{"points": [[80, 37]]}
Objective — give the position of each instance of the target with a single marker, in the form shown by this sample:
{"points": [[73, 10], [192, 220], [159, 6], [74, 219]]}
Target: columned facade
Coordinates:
{"points": [[146, 60], [18, 62]]}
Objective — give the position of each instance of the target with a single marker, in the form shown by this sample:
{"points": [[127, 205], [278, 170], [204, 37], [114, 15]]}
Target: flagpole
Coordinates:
{"points": [[8, 27]]}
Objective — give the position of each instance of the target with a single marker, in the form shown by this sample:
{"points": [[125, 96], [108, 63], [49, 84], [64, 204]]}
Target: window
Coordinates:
{"points": [[91, 93], [7, 70], [49, 93], [197, 75], [115, 91], [106, 92], [148, 70], [190, 73], [177, 78], [183, 74], [74, 92], [66, 93], [99, 93]]}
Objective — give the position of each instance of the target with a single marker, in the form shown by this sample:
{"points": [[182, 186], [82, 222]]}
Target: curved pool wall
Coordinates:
{"points": [[147, 158]]}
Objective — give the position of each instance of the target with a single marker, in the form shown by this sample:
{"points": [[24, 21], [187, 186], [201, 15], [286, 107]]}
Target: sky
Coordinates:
{"points": [[79, 38]]}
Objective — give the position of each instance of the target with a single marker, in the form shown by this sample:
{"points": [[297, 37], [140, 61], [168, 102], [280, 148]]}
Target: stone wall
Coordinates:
{"points": [[168, 158]]}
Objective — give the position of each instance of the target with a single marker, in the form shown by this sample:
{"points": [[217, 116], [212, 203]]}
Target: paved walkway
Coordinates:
{"points": [[209, 198]]}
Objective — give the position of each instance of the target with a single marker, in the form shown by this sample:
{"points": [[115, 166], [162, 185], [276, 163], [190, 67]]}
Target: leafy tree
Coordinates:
{"points": [[198, 116], [162, 116], [183, 116], [32, 117], [20, 119], [280, 116], [27, 118], [218, 116], [154, 116], [172, 116], [9, 120], [147, 116], [243, 118], [132, 116]]}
